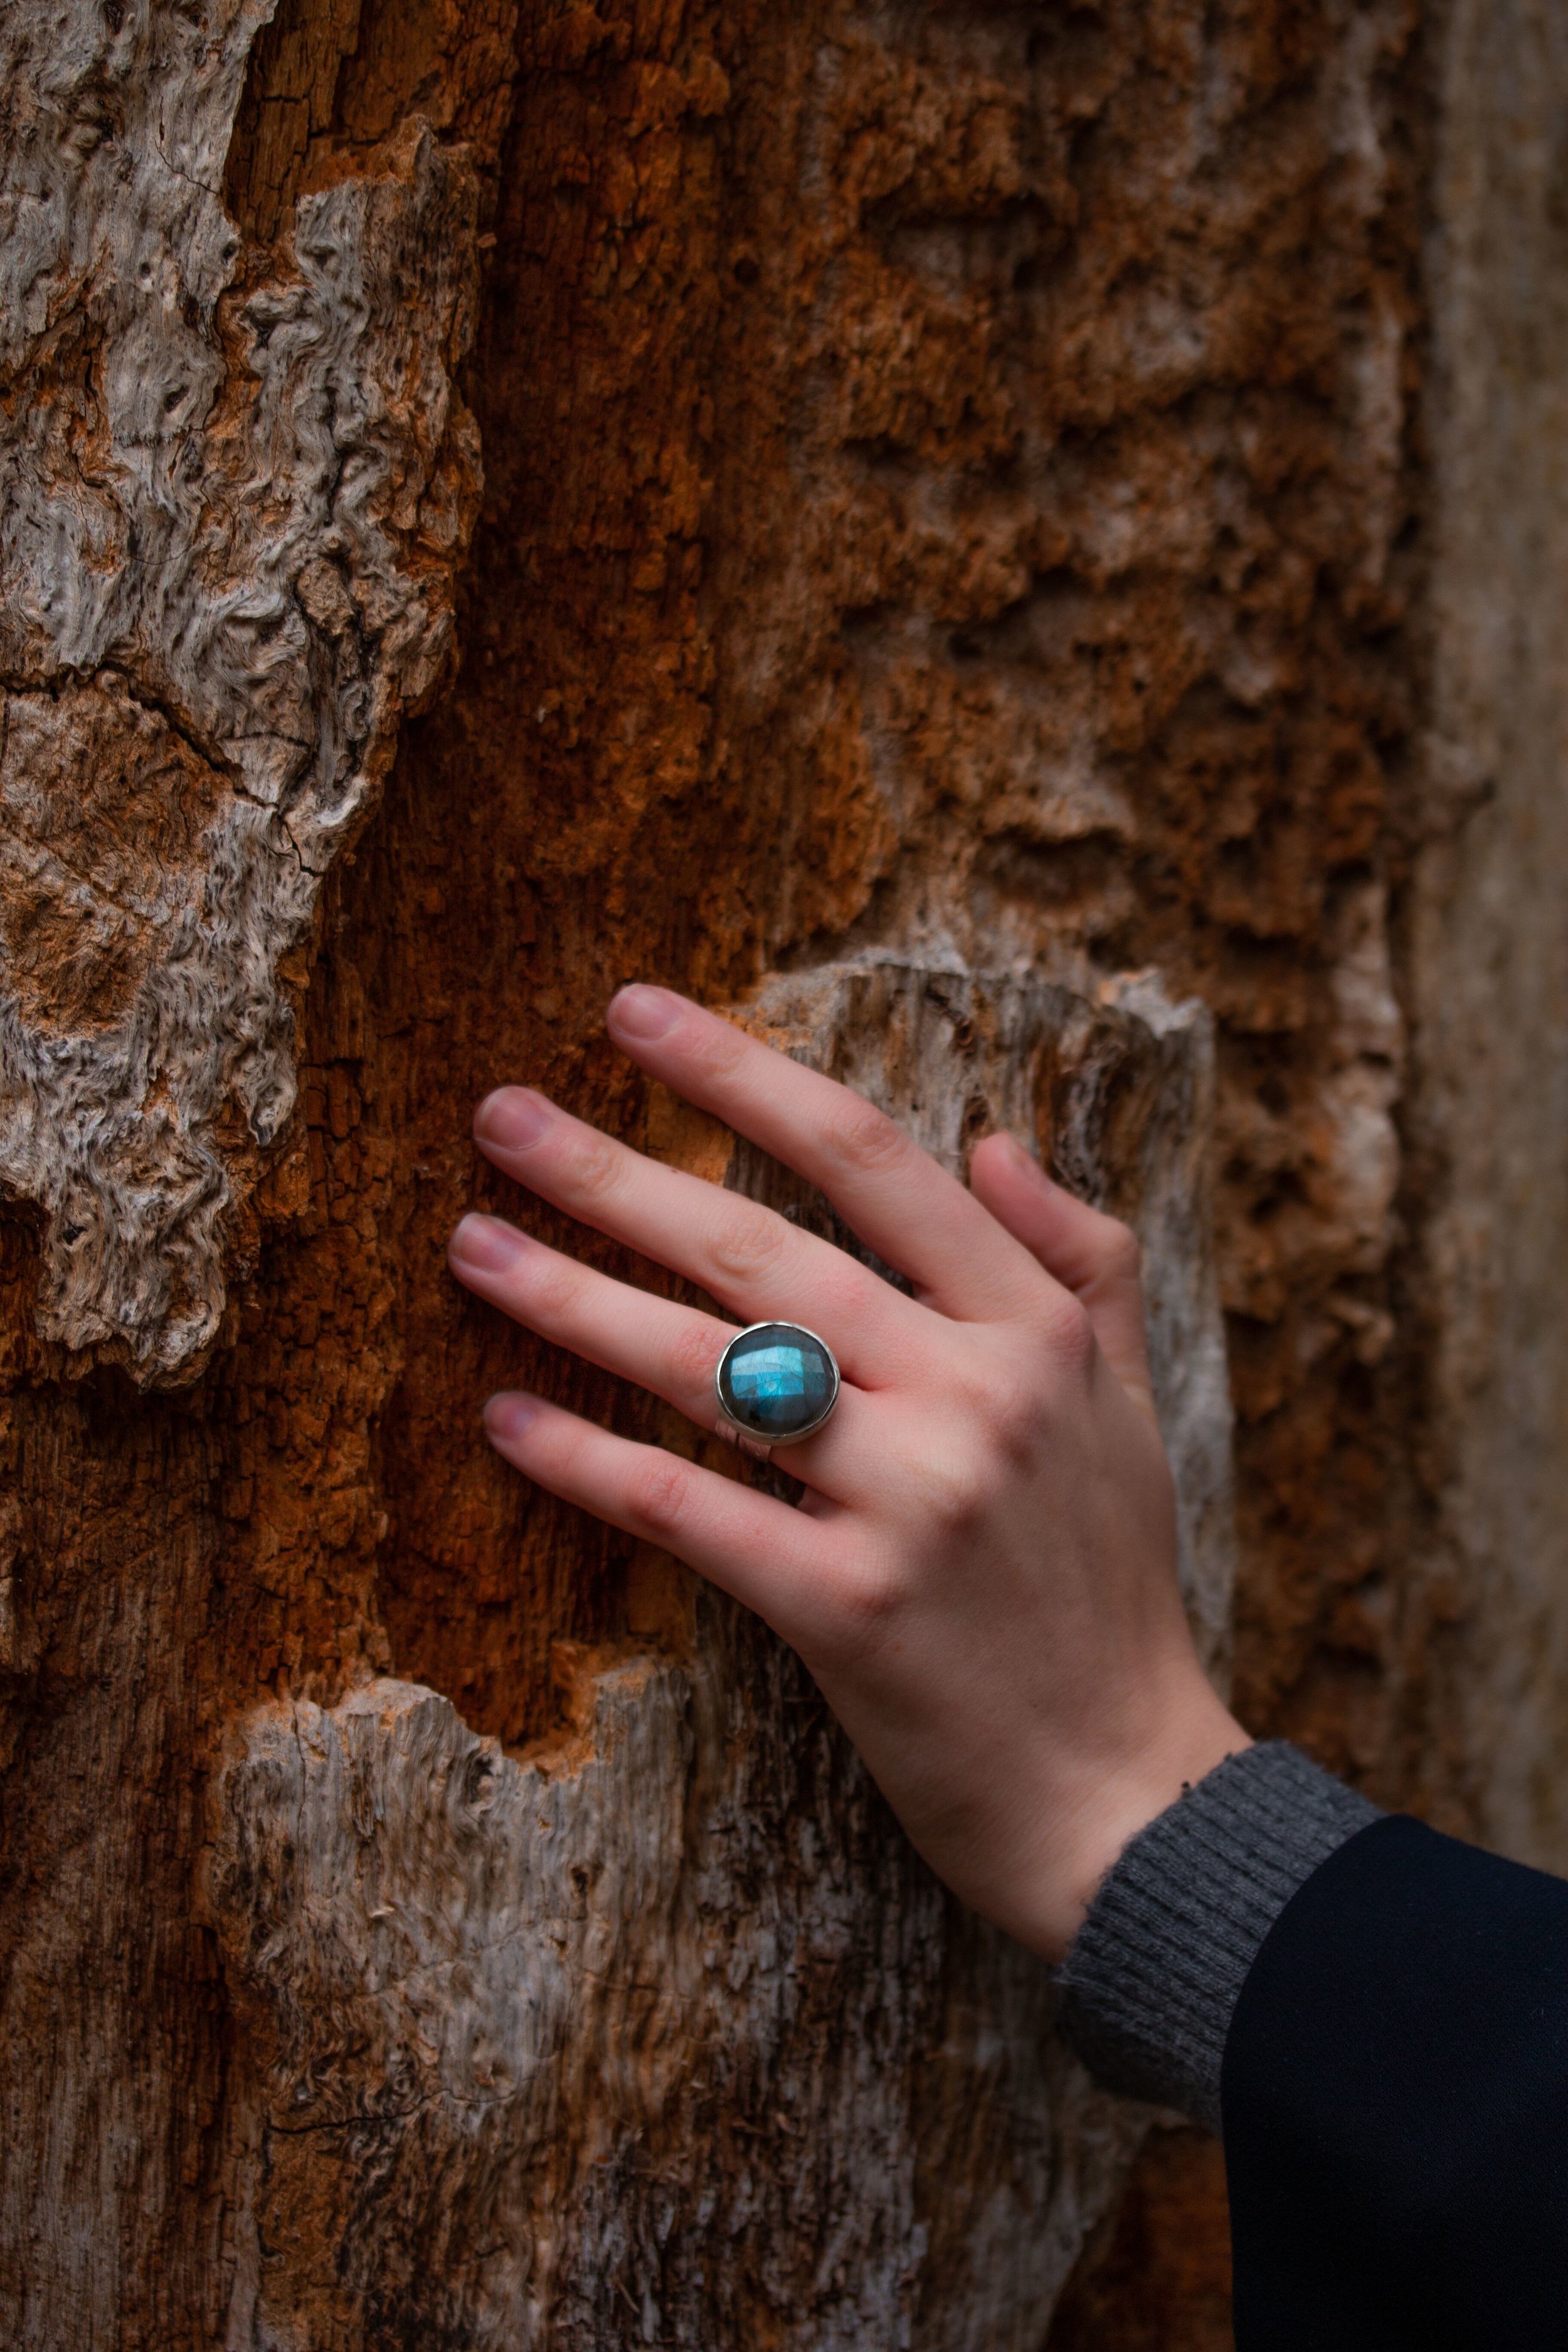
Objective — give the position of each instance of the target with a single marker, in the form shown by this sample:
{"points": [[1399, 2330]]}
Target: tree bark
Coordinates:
{"points": [[662, 2025], [1005, 546]]}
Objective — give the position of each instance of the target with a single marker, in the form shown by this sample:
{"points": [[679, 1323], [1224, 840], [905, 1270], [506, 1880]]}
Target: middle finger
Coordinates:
{"points": [[745, 1255]]}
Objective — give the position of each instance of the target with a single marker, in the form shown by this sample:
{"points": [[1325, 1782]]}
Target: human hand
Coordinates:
{"points": [[982, 1574]]}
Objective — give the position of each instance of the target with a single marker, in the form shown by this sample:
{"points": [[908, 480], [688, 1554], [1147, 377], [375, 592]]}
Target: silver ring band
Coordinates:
{"points": [[774, 1384], [741, 1439]]}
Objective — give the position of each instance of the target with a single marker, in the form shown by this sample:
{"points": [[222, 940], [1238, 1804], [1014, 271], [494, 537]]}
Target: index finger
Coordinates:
{"points": [[898, 1199]]}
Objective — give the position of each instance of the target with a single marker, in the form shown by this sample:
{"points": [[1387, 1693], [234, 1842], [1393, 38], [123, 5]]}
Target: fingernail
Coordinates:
{"points": [[488, 1244], [644, 1012], [512, 1117], [510, 1416]]}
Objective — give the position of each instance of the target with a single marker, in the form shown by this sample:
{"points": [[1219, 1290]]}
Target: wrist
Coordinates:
{"points": [[1189, 1734]]}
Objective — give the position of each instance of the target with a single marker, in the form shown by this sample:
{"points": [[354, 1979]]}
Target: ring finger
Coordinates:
{"points": [[672, 1349]]}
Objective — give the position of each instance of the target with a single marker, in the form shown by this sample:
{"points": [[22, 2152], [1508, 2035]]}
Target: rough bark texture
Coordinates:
{"points": [[1054, 493], [662, 2033], [228, 513]]}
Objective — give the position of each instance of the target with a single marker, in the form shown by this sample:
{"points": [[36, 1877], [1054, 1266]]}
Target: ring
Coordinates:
{"points": [[776, 1383]]}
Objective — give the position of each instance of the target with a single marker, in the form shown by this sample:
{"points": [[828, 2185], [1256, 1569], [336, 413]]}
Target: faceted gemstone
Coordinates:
{"points": [[776, 1381]]}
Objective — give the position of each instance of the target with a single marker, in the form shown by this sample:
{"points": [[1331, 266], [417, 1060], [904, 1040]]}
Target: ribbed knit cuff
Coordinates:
{"points": [[1152, 1981]]}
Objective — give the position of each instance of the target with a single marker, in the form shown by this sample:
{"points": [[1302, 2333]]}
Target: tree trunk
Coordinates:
{"points": [[1016, 548]]}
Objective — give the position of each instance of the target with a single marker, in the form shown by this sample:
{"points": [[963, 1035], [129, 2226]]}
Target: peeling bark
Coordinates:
{"points": [[230, 506], [1044, 494], [632, 2039]]}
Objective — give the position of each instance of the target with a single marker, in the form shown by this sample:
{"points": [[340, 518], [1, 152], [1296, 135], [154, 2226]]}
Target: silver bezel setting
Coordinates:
{"points": [[754, 1438]]}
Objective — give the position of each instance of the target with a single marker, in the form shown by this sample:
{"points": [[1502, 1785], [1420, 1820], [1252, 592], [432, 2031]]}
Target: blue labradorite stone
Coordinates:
{"points": [[776, 1381]]}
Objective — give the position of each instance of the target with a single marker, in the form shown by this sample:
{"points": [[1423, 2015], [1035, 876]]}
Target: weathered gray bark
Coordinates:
{"points": [[483, 2004], [228, 522], [957, 536], [499, 2006]]}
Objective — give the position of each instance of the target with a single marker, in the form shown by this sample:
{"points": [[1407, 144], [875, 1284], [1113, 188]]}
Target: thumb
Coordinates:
{"points": [[1093, 1255]]}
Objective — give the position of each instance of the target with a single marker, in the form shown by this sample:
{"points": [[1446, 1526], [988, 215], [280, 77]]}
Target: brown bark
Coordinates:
{"points": [[978, 504]]}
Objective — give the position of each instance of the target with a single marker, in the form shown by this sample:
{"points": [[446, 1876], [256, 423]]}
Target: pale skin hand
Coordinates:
{"points": [[982, 1574]]}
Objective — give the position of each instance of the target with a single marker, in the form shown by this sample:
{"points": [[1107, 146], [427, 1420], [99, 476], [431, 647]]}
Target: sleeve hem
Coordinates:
{"points": [[1150, 1986]]}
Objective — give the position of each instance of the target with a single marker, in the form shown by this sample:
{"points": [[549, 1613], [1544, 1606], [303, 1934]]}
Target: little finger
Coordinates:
{"points": [[768, 1557]]}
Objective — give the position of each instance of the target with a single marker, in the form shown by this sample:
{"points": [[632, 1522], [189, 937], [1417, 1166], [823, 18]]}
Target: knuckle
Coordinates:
{"points": [[960, 1501], [1069, 1334], [1120, 1253], [747, 1245], [659, 1493], [952, 1488], [845, 1293], [859, 1136], [718, 1047], [554, 1289], [596, 1166], [867, 1598], [694, 1352], [999, 1391], [1012, 1409]]}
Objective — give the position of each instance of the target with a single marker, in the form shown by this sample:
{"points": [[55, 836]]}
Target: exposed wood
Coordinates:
{"points": [[230, 503], [668, 2020], [1044, 493]]}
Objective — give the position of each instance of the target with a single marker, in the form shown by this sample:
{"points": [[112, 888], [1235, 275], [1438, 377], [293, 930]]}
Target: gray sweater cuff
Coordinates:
{"points": [[1155, 1971]]}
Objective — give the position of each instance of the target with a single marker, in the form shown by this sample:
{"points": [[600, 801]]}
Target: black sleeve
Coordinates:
{"points": [[1395, 2098]]}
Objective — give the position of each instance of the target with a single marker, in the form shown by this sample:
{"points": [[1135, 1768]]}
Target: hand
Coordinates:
{"points": [[982, 1575]]}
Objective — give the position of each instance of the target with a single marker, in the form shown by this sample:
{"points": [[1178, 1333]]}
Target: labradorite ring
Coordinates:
{"points": [[776, 1382]]}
